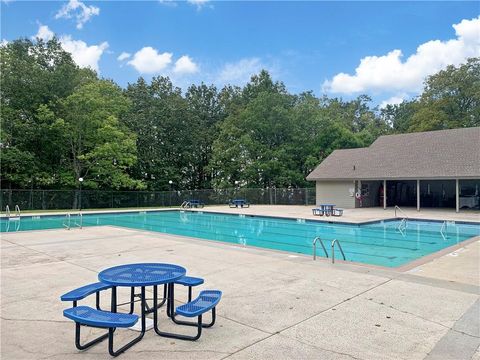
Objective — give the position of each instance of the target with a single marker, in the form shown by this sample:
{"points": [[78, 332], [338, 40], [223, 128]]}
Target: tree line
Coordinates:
{"points": [[60, 123]]}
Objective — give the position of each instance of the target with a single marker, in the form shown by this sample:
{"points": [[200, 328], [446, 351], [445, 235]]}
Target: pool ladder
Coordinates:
{"points": [[67, 222], [16, 216], [185, 205], [444, 230], [335, 241], [403, 223]]}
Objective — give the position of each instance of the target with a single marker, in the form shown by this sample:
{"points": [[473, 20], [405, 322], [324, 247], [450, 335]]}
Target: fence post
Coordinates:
{"points": [[306, 196], [275, 195]]}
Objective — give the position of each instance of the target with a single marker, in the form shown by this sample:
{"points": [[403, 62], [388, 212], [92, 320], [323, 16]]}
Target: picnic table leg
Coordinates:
{"points": [[114, 299], [132, 300], [111, 331], [79, 346], [171, 309], [168, 301]]}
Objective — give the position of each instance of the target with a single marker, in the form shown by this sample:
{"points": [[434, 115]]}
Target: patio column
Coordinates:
{"points": [[384, 194], [360, 190], [457, 196], [418, 195]]}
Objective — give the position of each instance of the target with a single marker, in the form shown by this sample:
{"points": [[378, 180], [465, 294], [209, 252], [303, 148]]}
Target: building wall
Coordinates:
{"points": [[340, 193]]}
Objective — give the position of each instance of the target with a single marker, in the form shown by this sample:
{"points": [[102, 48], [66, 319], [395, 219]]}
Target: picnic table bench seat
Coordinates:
{"points": [[84, 291], [337, 212], [206, 300], [189, 281], [85, 315]]}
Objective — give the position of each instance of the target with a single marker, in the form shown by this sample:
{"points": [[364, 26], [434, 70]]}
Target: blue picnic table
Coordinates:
{"points": [[238, 203], [194, 203], [326, 209], [133, 276], [142, 275]]}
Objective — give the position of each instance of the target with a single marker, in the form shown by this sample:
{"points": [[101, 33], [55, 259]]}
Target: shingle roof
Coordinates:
{"points": [[450, 154]]}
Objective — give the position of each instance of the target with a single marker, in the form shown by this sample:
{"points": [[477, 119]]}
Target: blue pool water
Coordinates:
{"points": [[379, 243]]}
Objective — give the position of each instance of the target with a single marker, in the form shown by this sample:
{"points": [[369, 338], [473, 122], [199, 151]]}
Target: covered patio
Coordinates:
{"points": [[426, 193]]}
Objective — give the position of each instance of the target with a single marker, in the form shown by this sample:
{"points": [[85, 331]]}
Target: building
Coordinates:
{"points": [[435, 169]]}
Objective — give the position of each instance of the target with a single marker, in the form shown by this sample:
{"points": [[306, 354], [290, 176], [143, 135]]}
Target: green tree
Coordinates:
{"points": [[159, 116], [253, 143], [34, 77], [206, 109], [450, 99], [100, 149]]}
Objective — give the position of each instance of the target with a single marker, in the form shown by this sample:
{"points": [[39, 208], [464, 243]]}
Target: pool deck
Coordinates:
{"points": [[275, 305], [350, 215]]}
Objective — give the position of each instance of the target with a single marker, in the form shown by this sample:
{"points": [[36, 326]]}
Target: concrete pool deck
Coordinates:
{"points": [[358, 215], [275, 305]]}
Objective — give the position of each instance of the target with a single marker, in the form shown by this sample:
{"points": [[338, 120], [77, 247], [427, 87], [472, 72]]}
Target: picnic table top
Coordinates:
{"points": [[143, 274]]}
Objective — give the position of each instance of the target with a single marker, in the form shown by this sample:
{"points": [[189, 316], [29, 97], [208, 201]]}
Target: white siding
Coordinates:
{"points": [[335, 192]]}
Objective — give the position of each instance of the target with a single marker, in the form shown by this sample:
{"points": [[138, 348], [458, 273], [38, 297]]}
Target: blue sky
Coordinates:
{"points": [[383, 49]]}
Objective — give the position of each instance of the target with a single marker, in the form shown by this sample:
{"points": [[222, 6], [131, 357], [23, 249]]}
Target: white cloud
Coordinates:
{"points": [[241, 71], [82, 54], [185, 65], [198, 3], [79, 10], [123, 56], [389, 73], [44, 33], [394, 100], [149, 61]]}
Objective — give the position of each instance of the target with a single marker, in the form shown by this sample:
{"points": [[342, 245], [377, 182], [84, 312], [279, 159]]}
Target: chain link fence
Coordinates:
{"points": [[100, 199]]}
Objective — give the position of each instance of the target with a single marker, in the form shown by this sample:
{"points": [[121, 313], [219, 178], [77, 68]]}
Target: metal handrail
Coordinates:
{"points": [[444, 230], [67, 222], [17, 226], [403, 212], [314, 244], [403, 225], [9, 215], [336, 241], [80, 224], [185, 205]]}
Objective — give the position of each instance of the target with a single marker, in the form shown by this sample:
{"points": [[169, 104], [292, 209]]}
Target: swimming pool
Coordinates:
{"points": [[379, 243]]}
